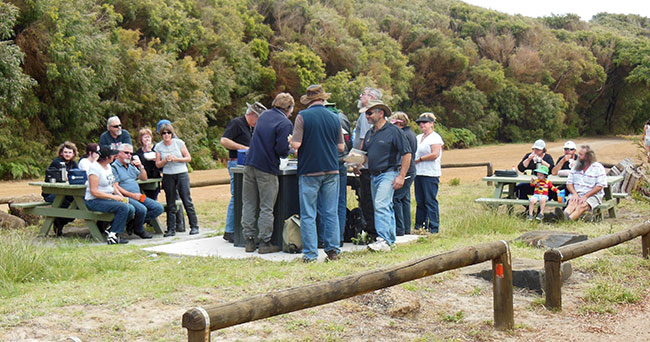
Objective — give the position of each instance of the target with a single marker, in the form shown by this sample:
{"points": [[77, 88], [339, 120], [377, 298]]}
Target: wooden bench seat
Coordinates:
{"points": [[597, 212], [29, 205]]}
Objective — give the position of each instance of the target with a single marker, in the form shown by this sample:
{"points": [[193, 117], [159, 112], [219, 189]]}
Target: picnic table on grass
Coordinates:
{"points": [[77, 208], [504, 193]]}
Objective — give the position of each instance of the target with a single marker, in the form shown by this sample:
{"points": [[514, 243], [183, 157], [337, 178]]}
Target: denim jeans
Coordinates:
{"points": [[260, 190], [402, 204], [382, 195], [60, 221], [121, 210], [178, 182], [145, 212], [342, 204], [319, 192], [427, 215], [230, 214]]}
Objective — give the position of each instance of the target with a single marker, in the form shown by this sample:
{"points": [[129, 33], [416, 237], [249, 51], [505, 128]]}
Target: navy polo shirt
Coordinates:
{"points": [[106, 139], [238, 131], [126, 177], [385, 147]]}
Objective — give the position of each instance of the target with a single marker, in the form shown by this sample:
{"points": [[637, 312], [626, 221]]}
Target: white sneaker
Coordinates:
{"points": [[379, 246]]}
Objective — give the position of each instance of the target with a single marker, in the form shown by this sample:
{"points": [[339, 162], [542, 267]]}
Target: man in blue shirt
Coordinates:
{"points": [[317, 137], [269, 143], [389, 158], [114, 135], [126, 172]]}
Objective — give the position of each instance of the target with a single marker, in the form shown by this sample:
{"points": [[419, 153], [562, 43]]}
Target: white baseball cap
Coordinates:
{"points": [[570, 145], [539, 144]]}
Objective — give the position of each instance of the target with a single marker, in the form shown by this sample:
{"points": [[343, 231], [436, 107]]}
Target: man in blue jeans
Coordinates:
{"points": [[127, 171], [317, 138], [389, 158], [237, 136]]}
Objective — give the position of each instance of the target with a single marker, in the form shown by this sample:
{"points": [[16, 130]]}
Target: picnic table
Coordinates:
{"points": [[504, 193], [77, 208]]}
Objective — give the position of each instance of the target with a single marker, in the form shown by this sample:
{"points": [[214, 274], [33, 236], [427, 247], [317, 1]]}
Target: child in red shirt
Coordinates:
{"points": [[542, 186]]}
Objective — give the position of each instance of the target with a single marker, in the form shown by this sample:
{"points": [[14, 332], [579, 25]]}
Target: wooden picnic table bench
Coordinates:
{"points": [[504, 193], [77, 209]]}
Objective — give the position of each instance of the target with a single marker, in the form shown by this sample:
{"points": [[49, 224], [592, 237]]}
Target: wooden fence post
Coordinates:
{"points": [[197, 323], [502, 291], [553, 279], [645, 245]]}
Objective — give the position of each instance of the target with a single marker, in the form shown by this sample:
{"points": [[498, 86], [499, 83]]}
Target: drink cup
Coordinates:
{"points": [[529, 172]]}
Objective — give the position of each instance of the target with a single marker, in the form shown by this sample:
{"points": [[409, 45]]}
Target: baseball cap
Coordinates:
{"points": [[570, 145], [539, 144]]}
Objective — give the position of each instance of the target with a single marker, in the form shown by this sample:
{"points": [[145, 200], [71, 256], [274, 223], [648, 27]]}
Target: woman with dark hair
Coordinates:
{"points": [[102, 195], [65, 155], [172, 156], [147, 157], [92, 153]]}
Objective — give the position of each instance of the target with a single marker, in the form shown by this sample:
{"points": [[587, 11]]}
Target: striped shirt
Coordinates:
{"points": [[542, 186], [585, 180]]}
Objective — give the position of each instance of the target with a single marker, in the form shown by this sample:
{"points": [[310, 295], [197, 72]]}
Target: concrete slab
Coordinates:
{"points": [[218, 247]]}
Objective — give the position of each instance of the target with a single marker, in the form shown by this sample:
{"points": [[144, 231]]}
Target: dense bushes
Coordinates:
{"points": [[69, 64]]}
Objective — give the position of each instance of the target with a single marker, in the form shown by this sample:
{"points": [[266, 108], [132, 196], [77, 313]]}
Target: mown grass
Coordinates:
{"points": [[42, 277]]}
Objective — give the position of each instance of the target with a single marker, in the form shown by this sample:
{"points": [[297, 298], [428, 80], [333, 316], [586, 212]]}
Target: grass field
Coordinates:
{"points": [[55, 288]]}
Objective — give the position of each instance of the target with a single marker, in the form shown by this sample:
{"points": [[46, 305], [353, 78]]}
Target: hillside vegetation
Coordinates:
{"points": [[67, 65]]}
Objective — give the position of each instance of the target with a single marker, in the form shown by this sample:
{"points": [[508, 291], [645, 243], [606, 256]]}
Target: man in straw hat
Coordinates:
{"points": [[317, 137], [260, 186], [389, 158], [237, 136]]}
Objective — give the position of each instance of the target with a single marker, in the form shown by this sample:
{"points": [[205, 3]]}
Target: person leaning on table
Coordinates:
{"points": [[102, 195], [66, 154]]}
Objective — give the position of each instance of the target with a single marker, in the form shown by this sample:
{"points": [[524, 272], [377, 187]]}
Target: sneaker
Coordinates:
{"points": [[332, 255], [379, 246], [144, 234], [540, 217], [229, 237], [267, 247], [530, 217], [307, 260], [194, 230], [250, 246], [114, 239]]}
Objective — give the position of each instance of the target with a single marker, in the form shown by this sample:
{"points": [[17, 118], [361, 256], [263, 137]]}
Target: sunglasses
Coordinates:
{"points": [[569, 149], [129, 153], [163, 133], [116, 126]]}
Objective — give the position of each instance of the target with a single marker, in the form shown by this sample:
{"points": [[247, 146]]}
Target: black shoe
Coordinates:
{"points": [[180, 229], [250, 246], [170, 233], [144, 234], [229, 237], [114, 239], [267, 247], [332, 255], [194, 231]]}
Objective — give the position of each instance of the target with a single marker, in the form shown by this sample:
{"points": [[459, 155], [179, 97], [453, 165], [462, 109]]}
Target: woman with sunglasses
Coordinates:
{"points": [[172, 156]]}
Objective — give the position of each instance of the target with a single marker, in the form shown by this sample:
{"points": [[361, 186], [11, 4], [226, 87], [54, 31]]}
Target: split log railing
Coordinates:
{"points": [[553, 258], [199, 322]]}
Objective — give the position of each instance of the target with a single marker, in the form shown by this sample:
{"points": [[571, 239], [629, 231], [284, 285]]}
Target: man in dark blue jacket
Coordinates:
{"points": [[260, 187], [317, 137]]}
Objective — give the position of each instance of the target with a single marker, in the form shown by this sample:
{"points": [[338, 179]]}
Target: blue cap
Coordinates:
{"points": [[160, 123]]}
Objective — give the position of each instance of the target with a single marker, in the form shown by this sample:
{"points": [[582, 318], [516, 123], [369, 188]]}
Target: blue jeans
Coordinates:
{"points": [[382, 196], [342, 207], [402, 204], [121, 210], [145, 212], [319, 192], [230, 214], [427, 215]]}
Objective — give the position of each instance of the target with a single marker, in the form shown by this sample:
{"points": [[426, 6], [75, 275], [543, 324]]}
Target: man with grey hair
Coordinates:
{"points": [[237, 136], [585, 185], [114, 135], [360, 130], [127, 170]]}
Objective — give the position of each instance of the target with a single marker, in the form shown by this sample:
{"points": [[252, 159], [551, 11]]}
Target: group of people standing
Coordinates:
{"points": [[320, 137], [113, 170]]}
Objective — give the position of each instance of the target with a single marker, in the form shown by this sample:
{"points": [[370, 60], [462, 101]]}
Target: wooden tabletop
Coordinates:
{"points": [[522, 178]]}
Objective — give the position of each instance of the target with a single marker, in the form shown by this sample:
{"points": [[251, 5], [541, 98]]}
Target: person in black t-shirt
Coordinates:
{"points": [[237, 136], [530, 162], [67, 152]]}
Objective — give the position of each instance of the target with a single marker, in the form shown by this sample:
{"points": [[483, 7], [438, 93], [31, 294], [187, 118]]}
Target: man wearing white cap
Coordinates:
{"points": [[530, 162], [567, 160]]}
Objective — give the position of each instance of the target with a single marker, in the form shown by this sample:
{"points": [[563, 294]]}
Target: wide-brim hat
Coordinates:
{"points": [[541, 169], [314, 92], [256, 108], [372, 104]]}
